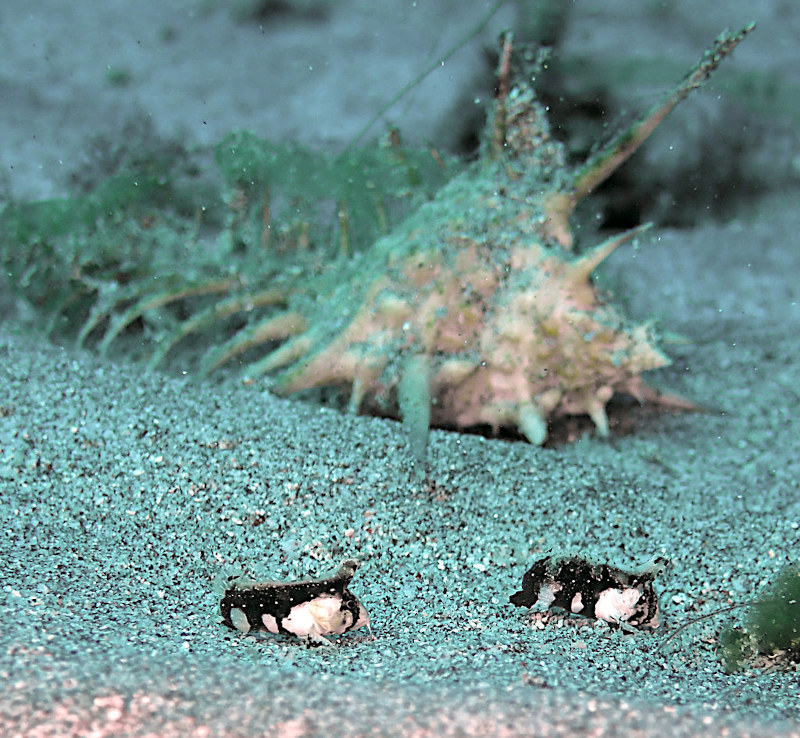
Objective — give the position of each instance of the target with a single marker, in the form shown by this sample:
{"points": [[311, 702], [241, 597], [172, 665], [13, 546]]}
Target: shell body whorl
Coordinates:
{"points": [[479, 283], [473, 312]]}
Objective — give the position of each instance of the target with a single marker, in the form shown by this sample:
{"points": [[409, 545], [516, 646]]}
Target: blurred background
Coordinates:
{"points": [[80, 79]]}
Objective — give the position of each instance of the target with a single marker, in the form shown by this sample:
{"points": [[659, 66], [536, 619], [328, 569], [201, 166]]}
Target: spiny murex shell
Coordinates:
{"points": [[473, 313]]}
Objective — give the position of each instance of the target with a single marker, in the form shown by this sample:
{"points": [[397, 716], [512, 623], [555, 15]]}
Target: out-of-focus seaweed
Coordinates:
{"points": [[48, 219], [772, 625], [363, 189], [140, 243], [45, 247]]}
